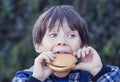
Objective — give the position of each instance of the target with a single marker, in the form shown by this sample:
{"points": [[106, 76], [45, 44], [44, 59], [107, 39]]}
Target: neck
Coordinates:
{"points": [[61, 74]]}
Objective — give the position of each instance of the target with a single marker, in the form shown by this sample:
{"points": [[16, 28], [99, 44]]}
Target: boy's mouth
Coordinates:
{"points": [[61, 52]]}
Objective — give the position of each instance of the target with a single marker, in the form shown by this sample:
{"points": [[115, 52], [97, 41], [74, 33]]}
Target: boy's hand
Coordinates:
{"points": [[89, 60], [41, 71]]}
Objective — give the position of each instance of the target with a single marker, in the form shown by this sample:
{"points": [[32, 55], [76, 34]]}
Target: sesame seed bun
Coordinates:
{"points": [[63, 62]]}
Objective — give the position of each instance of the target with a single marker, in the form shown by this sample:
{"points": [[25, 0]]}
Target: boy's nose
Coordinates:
{"points": [[61, 43], [62, 39]]}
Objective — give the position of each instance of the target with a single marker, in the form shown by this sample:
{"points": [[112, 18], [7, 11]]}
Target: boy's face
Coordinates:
{"points": [[60, 39]]}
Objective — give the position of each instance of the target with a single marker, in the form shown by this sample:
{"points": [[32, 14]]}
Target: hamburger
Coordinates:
{"points": [[63, 62]]}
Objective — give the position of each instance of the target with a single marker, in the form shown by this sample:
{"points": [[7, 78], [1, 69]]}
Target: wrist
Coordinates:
{"points": [[38, 77], [33, 79], [96, 69], [103, 70]]}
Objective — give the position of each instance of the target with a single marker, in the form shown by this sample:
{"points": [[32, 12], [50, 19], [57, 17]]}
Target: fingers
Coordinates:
{"points": [[41, 71], [49, 56], [45, 56], [83, 52]]}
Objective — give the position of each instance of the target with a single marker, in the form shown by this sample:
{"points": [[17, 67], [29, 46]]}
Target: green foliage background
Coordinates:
{"points": [[18, 16]]}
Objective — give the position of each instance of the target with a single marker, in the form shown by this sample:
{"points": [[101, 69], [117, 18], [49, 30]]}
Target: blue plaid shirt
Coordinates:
{"points": [[107, 74]]}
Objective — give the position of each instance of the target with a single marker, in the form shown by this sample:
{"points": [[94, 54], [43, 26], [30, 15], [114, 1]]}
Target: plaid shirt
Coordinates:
{"points": [[74, 76]]}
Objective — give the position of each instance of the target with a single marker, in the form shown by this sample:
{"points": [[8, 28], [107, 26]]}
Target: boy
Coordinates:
{"points": [[60, 29]]}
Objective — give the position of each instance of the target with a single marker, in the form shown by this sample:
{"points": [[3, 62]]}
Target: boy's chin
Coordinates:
{"points": [[61, 74]]}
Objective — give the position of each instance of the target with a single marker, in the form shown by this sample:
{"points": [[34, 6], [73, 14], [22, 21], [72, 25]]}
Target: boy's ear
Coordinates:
{"points": [[38, 47]]}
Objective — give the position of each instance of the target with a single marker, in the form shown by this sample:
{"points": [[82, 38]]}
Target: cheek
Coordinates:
{"points": [[75, 44], [47, 44]]}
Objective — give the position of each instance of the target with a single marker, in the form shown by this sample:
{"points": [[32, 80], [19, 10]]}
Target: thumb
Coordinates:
{"points": [[81, 66]]}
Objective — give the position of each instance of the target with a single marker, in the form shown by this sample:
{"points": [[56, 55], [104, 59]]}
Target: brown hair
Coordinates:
{"points": [[60, 13]]}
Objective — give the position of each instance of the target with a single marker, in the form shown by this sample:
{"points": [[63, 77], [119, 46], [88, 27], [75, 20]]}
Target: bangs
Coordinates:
{"points": [[60, 14]]}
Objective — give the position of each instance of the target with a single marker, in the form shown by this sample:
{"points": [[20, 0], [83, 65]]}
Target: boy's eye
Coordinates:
{"points": [[71, 35], [53, 35]]}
